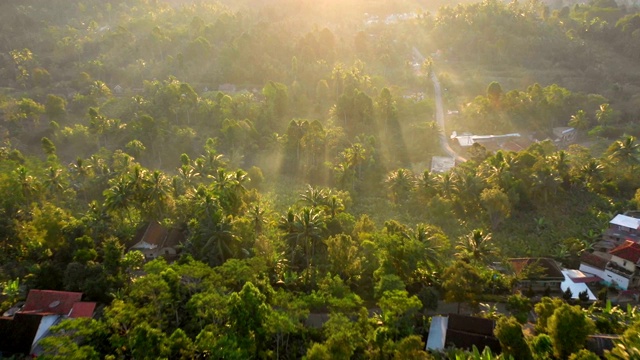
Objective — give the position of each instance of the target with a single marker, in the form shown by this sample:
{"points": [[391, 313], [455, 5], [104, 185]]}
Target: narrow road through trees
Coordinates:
{"points": [[440, 119]]}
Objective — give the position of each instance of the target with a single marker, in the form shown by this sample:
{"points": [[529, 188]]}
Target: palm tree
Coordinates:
{"points": [[400, 182], [579, 121], [314, 197], [592, 172], [560, 164], [257, 216], [335, 205], [344, 175], [603, 114], [188, 174], [119, 197], [28, 184], [625, 150], [218, 241], [80, 171], [468, 187], [431, 255], [55, 182], [355, 156], [476, 246], [427, 184], [303, 230], [545, 181], [157, 192], [446, 185]]}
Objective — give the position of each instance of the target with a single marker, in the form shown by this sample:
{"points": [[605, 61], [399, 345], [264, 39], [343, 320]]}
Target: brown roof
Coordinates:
{"points": [[594, 260], [155, 234], [548, 269], [175, 238]]}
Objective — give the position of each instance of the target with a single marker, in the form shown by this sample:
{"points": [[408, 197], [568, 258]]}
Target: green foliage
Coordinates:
{"points": [[124, 88], [568, 328], [519, 306], [509, 332], [544, 310], [461, 283]]}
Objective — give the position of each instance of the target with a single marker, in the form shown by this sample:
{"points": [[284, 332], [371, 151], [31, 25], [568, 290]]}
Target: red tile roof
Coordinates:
{"points": [[629, 250], [82, 310], [50, 301]]}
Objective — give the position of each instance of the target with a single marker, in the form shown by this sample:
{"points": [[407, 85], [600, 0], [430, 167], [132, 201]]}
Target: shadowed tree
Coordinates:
{"points": [[569, 328], [400, 183], [477, 246], [461, 284], [497, 205]]}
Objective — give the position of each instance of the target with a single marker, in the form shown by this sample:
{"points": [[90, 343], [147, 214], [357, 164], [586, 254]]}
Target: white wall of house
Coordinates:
{"points": [[46, 322], [592, 270], [619, 280], [624, 263]]}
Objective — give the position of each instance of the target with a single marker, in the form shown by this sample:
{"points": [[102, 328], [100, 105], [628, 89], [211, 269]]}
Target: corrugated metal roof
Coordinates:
{"points": [[626, 221]]}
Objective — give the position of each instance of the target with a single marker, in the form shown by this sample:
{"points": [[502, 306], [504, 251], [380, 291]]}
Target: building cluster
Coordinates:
{"points": [[616, 259]]}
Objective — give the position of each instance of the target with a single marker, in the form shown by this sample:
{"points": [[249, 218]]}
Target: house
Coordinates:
{"points": [[623, 227], [155, 240], [594, 263], [620, 265], [537, 274], [20, 333], [462, 331], [622, 268]]}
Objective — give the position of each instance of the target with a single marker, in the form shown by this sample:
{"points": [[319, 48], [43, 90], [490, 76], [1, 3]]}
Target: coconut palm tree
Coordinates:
{"points": [[476, 246], [314, 197], [400, 183], [157, 194], [625, 151], [579, 121]]}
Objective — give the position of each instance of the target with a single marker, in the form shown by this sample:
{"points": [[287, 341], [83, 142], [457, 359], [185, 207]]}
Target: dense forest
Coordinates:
{"points": [[289, 141]]}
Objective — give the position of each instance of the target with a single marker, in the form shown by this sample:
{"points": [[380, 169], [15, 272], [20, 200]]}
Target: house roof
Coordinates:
{"points": [[153, 235], [466, 331], [578, 276], [629, 250], [462, 331], [596, 259], [17, 333], [82, 310], [548, 269], [51, 301], [626, 221]]}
